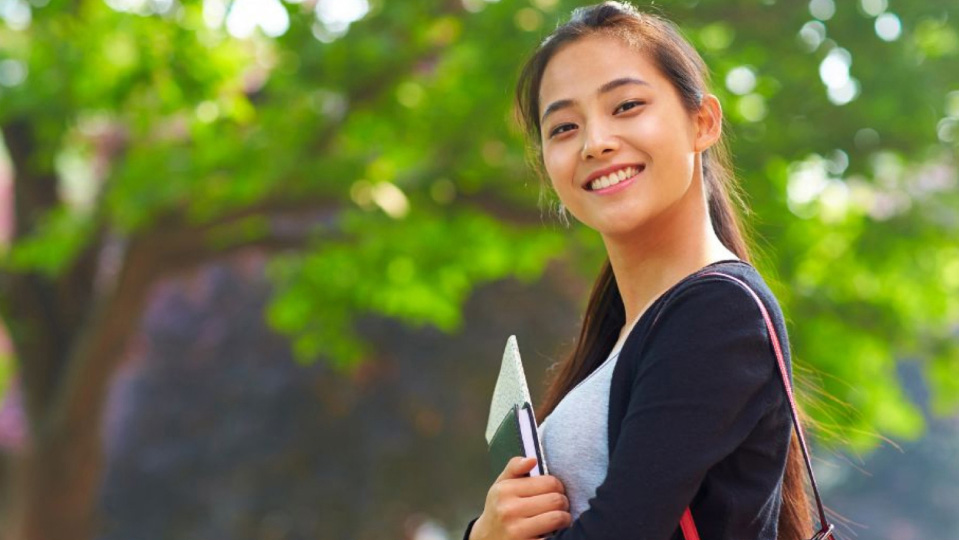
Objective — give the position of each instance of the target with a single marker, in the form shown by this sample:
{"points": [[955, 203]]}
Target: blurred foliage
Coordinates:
{"points": [[396, 128]]}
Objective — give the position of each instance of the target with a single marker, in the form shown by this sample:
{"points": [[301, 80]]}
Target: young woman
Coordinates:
{"points": [[673, 397]]}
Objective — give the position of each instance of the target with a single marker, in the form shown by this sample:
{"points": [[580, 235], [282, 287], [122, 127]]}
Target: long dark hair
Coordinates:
{"points": [[605, 315]]}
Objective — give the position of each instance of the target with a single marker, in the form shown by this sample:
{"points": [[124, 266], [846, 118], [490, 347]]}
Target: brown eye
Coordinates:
{"points": [[562, 128], [629, 105]]}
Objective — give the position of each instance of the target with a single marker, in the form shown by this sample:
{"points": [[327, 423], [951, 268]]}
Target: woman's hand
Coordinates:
{"points": [[520, 507]]}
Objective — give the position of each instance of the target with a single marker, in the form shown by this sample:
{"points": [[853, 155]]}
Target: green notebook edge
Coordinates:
{"points": [[507, 441]]}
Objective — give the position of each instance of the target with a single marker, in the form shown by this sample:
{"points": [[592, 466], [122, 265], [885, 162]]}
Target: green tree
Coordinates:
{"points": [[378, 161]]}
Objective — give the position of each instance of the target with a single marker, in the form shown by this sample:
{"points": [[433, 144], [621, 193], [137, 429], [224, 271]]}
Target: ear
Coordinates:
{"points": [[709, 122]]}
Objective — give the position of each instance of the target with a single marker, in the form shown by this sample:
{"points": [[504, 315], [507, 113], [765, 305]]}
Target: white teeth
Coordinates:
{"points": [[613, 178]]}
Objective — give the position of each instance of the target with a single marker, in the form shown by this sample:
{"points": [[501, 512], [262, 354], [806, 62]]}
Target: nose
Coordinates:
{"points": [[599, 141]]}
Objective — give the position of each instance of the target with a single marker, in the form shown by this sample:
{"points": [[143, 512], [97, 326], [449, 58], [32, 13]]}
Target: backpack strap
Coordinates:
{"points": [[686, 522]]}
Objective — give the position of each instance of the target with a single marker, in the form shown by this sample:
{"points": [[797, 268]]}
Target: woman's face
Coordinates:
{"points": [[608, 115]]}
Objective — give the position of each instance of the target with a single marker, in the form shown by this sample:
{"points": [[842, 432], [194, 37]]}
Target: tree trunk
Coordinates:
{"points": [[57, 485], [55, 489], [51, 320]]}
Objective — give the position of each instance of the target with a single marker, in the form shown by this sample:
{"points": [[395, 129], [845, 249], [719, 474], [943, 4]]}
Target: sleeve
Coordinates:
{"points": [[696, 395], [469, 528]]}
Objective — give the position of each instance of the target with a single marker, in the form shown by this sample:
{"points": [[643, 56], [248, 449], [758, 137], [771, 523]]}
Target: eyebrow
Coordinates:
{"points": [[608, 87]]}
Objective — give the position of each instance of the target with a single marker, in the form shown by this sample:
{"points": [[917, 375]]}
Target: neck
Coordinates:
{"points": [[677, 243]]}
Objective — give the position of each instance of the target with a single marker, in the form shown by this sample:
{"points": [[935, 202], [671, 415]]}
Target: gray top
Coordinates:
{"points": [[574, 436]]}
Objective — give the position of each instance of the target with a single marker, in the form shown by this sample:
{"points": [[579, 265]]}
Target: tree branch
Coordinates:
{"points": [[35, 184], [149, 256]]}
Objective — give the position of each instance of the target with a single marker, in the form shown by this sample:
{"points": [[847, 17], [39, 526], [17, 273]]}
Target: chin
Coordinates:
{"points": [[618, 233], [619, 224], [617, 229]]}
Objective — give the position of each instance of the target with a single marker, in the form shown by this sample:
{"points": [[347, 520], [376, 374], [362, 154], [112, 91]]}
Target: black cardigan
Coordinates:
{"points": [[697, 416]]}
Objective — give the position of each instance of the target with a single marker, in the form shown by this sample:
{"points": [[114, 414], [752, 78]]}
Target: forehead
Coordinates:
{"points": [[579, 68]]}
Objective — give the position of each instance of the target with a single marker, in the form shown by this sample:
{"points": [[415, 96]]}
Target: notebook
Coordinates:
{"points": [[511, 429]]}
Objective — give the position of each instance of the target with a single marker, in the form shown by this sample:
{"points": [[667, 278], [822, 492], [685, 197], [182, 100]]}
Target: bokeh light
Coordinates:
{"points": [[741, 80], [888, 27]]}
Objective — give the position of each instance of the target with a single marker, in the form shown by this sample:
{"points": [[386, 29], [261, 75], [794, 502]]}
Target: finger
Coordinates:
{"points": [[516, 467], [535, 485], [541, 504], [543, 524]]}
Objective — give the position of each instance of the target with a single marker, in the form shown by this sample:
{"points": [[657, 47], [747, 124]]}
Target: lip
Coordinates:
{"points": [[602, 172]]}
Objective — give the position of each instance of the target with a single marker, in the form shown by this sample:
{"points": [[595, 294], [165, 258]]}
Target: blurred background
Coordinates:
{"points": [[259, 258]]}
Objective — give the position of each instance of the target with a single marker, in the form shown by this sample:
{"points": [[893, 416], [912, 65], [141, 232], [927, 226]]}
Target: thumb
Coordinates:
{"points": [[517, 467]]}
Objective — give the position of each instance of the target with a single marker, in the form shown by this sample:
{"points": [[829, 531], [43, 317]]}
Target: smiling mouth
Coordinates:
{"points": [[614, 178]]}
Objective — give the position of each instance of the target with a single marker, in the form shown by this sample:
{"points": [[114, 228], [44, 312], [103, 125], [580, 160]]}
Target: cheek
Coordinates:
{"points": [[655, 129], [667, 140], [556, 167]]}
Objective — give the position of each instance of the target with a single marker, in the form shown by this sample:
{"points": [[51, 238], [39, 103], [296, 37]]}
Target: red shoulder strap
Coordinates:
{"points": [[686, 523], [688, 526]]}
